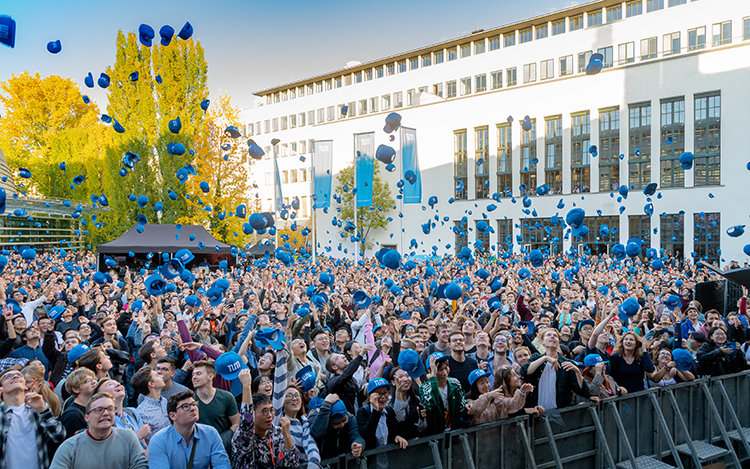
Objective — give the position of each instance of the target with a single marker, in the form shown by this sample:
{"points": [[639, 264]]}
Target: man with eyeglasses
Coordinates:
{"points": [[101, 444], [461, 366], [24, 417], [186, 443]]}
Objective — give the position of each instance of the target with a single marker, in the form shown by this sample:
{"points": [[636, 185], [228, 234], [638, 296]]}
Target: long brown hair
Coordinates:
{"points": [[620, 350], [502, 378], [49, 397], [303, 404]]}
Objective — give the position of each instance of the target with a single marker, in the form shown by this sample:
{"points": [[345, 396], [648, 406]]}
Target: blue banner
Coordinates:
{"points": [[364, 158], [322, 159], [410, 162], [279, 199]]}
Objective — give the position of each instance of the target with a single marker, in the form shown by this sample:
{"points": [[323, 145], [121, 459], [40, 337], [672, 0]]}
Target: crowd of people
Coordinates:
{"points": [[274, 364]]}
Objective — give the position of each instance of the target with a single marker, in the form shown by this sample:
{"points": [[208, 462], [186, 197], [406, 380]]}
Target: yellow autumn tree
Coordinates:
{"points": [[223, 168], [46, 122]]}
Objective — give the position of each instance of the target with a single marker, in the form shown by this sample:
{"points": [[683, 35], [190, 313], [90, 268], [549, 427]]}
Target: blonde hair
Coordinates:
{"points": [[37, 373], [620, 349], [77, 378]]}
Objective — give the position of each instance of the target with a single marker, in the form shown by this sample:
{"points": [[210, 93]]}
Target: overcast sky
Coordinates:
{"points": [[249, 45]]}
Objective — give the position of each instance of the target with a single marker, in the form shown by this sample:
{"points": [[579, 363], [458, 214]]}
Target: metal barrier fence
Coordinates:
{"points": [[681, 426]]}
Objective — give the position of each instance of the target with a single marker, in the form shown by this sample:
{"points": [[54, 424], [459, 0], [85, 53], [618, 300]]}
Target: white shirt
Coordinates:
{"points": [[548, 387], [20, 435], [28, 309]]}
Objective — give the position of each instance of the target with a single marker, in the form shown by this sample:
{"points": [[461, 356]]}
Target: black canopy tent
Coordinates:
{"points": [[158, 239]]}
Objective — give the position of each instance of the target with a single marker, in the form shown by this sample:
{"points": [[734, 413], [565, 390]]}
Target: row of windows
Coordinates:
{"points": [[540, 233], [706, 148], [566, 65], [290, 176], [304, 205], [590, 19]]}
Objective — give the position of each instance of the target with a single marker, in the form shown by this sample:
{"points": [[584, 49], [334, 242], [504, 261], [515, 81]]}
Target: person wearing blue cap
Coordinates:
{"points": [[376, 420], [667, 370], [334, 429], [596, 378], [443, 398]]}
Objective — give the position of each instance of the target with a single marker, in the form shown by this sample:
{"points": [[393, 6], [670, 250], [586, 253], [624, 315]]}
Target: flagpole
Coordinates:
{"points": [[401, 218], [356, 222], [312, 203], [275, 202]]}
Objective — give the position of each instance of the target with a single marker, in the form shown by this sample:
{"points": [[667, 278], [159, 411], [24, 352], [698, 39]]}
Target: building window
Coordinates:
{"points": [[547, 69], [580, 158], [529, 73], [266, 126], [566, 65], [410, 97], [379, 72], [722, 33], [640, 228], [269, 179], [653, 5], [524, 35], [528, 158], [285, 177], [482, 160], [385, 102], [374, 105], [439, 57], [414, 63], [479, 47], [553, 153], [707, 143], [480, 83], [497, 79], [505, 235], [368, 75], [338, 82], [542, 31], [504, 160], [607, 54], [358, 77], [465, 86], [301, 91], [426, 60], [540, 233], [595, 243], [310, 89], [594, 18], [510, 75], [707, 232], [311, 117], [452, 54], [302, 172], [634, 8], [614, 13], [293, 121], [390, 69], [275, 124], [494, 42], [401, 66], [576, 23], [302, 148], [398, 99], [696, 38], [609, 150], [639, 159], [465, 50], [482, 243], [648, 48], [746, 29], [674, 3], [293, 176], [558, 27], [450, 89], [460, 240], [249, 129], [437, 89], [671, 43], [583, 60], [672, 231], [329, 85], [509, 39], [362, 107], [460, 164], [626, 53], [284, 123], [672, 125]]}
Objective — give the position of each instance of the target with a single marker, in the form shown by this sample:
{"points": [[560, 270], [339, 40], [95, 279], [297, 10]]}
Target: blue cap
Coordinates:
{"points": [[7, 31], [186, 32], [306, 378], [385, 154], [137, 305], [686, 160], [166, 32], [392, 122], [574, 219], [270, 337], [192, 301], [592, 359], [409, 361], [338, 411], [229, 365], [56, 311], [361, 299], [683, 359], [439, 357], [76, 352], [146, 34], [377, 383], [453, 291], [736, 231], [536, 258], [155, 285], [477, 375], [54, 47], [176, 149]]}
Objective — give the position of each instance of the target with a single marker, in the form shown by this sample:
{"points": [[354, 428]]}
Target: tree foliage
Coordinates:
{"points": [[46, 123], [369, 219], [226, 173]]}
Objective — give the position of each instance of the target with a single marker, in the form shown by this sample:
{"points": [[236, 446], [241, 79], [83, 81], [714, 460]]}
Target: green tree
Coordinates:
{"points": [[226, 173], [369, 219], [46, 123]]}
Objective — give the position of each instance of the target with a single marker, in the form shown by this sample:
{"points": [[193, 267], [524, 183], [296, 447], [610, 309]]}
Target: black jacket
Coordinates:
{"points": [[346, 386], [712, 361], [367, 421], [330, 442]]}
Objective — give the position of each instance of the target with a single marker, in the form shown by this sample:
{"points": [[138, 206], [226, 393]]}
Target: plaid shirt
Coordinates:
{"points": [[46, 426]]}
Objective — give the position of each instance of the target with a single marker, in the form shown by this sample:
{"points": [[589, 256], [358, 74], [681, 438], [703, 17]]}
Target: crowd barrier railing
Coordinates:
{"points": [[680, 426]]}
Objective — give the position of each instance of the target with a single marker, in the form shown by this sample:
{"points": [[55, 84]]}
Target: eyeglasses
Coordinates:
{"points": [[500, 339], [382, 392], [100, 410], [292, 397], [266, 411], [187, 406], [12, 375]]}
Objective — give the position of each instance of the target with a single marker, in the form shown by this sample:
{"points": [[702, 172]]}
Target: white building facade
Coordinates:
{"points": [[674, 80]]}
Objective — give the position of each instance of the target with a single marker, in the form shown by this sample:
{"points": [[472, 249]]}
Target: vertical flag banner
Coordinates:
{"points": [[322, 160], [279, 198], [364, 159], [410, 162]]}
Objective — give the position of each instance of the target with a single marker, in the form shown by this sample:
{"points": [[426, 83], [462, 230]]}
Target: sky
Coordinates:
{"points": [[249, 45]]}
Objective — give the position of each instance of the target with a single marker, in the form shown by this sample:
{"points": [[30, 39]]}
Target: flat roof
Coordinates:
{"points": [[481, 34]]}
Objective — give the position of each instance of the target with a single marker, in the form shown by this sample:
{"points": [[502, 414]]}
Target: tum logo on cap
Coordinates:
{"points": [[234, 366]]}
